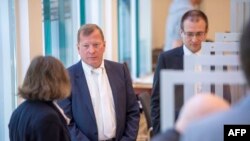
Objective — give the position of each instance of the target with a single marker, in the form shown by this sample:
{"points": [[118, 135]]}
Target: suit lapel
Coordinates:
{"points": [[179, 58], [82, 86], [112, 81], [58, 112], [63, 120]]}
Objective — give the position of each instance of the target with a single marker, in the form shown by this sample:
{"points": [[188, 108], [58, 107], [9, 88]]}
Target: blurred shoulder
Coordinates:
{"points": [[178, 51], [74, 67], [109, 63]]}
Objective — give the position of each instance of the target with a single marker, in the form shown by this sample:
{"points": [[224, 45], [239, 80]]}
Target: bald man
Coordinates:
{"points": [[197, 107]]}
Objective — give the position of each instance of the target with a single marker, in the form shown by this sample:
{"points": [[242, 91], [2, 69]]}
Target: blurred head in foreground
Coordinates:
{"points": [[46, 80]]}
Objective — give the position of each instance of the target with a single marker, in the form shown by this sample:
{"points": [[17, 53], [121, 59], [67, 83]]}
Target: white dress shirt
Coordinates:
{"points": [[102, 100]]}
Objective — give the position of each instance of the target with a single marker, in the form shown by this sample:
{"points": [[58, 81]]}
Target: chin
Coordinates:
{"points": [[195, 49], [95, 65]]}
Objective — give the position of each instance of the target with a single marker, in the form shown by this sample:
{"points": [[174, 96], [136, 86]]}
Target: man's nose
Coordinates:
{"points": [[91, 49], [194, 38]]}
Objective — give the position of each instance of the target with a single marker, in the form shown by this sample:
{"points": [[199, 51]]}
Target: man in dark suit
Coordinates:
{"points": [[194, 28], [212, 128], [102, 104]]}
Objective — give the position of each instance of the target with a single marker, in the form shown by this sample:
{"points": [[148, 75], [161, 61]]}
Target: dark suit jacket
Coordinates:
{"points": [[38, 121], [172, 59], [79, 106]]}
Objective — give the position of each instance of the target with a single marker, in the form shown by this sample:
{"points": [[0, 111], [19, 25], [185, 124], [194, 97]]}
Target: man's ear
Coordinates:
{"points": [[78, 46], [104, 44], [181, 33]]}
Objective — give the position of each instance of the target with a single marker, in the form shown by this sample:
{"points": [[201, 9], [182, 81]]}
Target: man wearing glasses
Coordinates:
{"points": [[194, 28]]}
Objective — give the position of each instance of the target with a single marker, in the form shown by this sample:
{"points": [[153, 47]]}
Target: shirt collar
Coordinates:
{"points": [[88, 69], [62, 112], [187, 52]]}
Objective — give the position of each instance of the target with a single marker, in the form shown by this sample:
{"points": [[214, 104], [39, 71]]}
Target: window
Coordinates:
{"points": [[126, 25], [134, 26], [61, 21], [7, 66]]}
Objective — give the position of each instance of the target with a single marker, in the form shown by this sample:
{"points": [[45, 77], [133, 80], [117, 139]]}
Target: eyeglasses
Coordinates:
{"points": [[198, 35]]}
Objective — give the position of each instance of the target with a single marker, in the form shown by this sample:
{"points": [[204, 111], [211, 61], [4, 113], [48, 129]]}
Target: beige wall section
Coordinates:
{"points": [[110, 29], [28, 35], [218, 12], [159, 14], [35, 21], [35, 32], [18, 50]]}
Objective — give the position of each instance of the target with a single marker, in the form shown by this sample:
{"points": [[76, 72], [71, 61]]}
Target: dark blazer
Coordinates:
{"points": [[38, 121], [80, 109], [172, 59]]}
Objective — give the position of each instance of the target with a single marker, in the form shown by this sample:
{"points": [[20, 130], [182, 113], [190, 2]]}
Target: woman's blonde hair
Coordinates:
{"points": [[46, 80]]}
